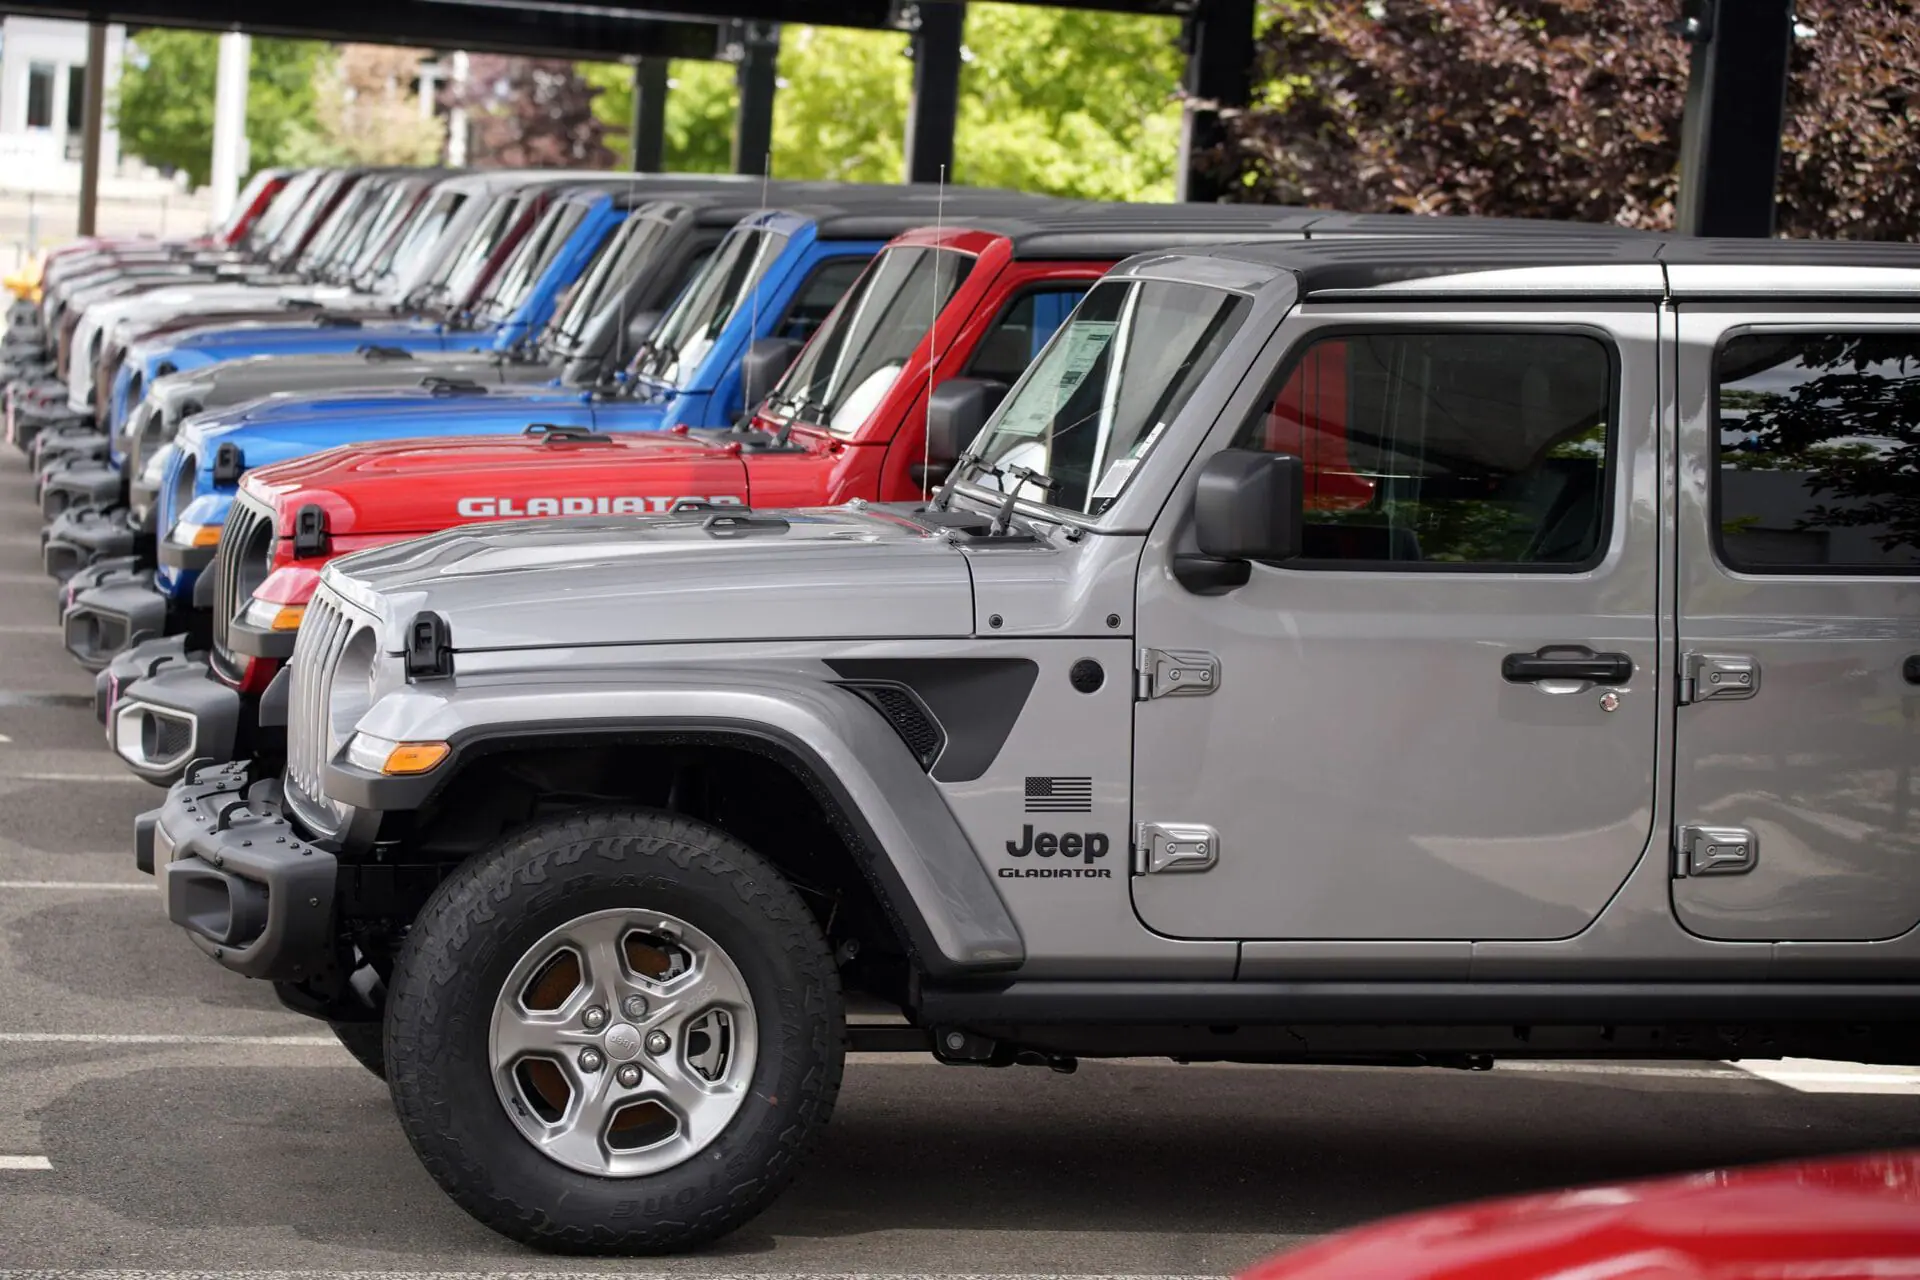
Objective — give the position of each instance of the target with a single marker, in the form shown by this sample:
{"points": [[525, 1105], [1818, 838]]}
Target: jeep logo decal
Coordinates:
{"points": [[1067, 845], [478, 507]]}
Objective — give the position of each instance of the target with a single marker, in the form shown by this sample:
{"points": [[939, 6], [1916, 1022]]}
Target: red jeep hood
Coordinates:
{"points": [[404, 487]]}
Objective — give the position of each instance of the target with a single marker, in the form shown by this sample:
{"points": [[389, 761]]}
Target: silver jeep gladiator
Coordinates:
{"points": [[1417, 653]]}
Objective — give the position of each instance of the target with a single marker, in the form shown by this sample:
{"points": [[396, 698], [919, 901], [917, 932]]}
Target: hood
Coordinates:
{"points": [[268, 336], [236, 382], [815, 574], [419, 486], [341, 409], [270, 439]]}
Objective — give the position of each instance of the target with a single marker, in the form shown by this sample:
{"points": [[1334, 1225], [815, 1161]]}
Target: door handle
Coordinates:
{"points": [[1911, 669], [1566, 662]]}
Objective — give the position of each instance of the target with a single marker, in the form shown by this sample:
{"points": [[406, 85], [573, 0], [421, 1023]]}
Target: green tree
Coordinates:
{"points": [[1077, 103], [164, 108], [700, 104], [1070, 101]]}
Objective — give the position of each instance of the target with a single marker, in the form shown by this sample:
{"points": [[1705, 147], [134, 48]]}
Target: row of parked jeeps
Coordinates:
{"points": [[595, 630]]}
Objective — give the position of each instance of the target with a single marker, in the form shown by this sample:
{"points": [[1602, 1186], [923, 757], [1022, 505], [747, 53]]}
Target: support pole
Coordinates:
{"points": [[1736, 109], [229, 122], [93, 123], [936, 91], [650, 115], [457, 113], [755, 73], [1218, 39]]}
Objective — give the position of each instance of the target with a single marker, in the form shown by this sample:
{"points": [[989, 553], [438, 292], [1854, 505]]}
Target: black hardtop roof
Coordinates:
{"points": [[859, 215], [1345, 264], [1093, 231]]}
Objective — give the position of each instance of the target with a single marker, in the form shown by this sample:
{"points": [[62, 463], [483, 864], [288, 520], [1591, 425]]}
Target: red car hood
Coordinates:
{"points": [[405, 487], [1848, 1219]]}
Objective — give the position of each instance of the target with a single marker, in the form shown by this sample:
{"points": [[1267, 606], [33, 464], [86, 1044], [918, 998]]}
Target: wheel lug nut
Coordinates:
{"points": [[594, 1018], [628, 1076], [636, 1006], [590, 1060], [657, 1042]]}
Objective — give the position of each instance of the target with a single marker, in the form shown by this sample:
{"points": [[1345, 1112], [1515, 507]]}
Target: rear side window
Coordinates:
{"points": [[1448, 450], [1019, 331], [814, 302], [1818, 466]]}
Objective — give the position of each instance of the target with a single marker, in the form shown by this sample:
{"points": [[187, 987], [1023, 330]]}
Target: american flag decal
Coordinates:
{"points": [[1059, 795]]}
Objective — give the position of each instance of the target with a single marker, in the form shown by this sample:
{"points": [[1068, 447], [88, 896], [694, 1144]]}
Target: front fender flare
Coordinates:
{"points": [[888, 810]]}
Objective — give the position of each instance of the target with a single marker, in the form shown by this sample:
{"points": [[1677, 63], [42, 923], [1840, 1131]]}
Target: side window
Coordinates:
{"points": [[817, 296], [1021, 329], [1448, 450], [1818, 465]]}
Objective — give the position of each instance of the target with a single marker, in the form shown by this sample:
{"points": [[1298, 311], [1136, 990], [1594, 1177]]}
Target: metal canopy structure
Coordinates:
{"points": [[745, 33], [1730, 145]]}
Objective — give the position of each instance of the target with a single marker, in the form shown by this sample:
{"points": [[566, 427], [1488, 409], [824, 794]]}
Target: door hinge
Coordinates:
{"points": [[1716, 851], [1718, 677], [1174, 846], [1175, 673]]}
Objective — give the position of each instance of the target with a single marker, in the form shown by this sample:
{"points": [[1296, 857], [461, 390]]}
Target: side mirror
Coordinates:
{"points": [[956, 411], [1247, 506], [761, 367]]}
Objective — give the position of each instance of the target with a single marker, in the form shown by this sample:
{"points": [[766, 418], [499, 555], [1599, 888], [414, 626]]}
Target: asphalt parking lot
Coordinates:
{"points": [[159, 1115]]}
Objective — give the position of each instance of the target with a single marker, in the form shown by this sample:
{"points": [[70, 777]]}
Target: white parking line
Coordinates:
{"points": [[101, 1037], [121, 886], [31, 629], [1809, 1075], [23, 1163]]}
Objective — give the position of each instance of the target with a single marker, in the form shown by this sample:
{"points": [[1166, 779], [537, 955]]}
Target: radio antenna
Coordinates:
{"points": [[933, 334], [753, 332]]}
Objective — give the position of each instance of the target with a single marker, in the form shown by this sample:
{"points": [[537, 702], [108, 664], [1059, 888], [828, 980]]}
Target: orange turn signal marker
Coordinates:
{"points": [[207, 535], [415, 757], [288, 617]]}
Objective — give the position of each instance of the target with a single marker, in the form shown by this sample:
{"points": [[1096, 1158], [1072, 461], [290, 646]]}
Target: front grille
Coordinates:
{"points": [[322, 639], [238, 569]]}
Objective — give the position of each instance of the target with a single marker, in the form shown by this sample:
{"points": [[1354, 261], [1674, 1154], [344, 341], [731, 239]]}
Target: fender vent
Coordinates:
{"points": [[901, 707]]}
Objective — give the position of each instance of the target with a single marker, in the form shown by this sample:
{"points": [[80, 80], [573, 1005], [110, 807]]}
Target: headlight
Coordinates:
{"points": [[194, 535], [268, 615], [384, 755]]}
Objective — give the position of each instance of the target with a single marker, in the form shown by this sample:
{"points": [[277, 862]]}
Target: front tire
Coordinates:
{"points": [[614, 1032]]}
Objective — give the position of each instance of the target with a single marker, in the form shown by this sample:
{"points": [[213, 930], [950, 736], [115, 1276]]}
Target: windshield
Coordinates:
{"points": [[459, 272], [382, 229], [338, 230], [1104, 391], [626, 253], [421, 234], [285, 247], [283, 208], [728, 282], [852, 362], [531, 260]]}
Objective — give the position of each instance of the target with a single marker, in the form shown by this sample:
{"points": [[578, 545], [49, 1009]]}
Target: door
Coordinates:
{"points": [[1440, 722], [1797, 779]]}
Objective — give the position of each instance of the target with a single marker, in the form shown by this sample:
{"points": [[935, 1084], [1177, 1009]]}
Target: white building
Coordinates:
{"points": [[43, 72]]}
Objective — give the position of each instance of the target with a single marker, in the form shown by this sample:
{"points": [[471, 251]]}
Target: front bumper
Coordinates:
{"points": [[179, 713], [185, 559], [79, 540], [80, 485], [238, 877], [124, 609]]}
